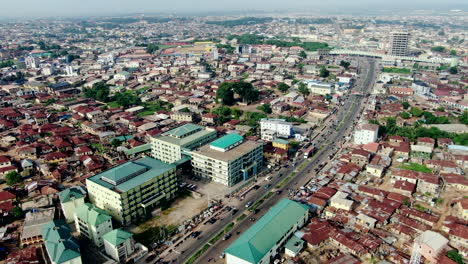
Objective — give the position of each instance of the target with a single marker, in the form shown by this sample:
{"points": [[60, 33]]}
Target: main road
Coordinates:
{"points": [[328, 141]]}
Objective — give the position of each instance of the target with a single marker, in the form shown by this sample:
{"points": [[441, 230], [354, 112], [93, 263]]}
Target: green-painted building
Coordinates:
{"points": [[267, 237], [61, 247], [92, 223], [131, 190]]}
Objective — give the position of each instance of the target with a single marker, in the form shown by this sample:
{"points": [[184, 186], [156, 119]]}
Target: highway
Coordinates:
{"points": [[327, 142]]}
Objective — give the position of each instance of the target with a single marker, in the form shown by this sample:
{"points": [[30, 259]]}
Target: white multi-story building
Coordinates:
{"points": [[366, 133], [273, 128], [70, 199], [322, 88], [228, 160], [119, 244], [168, 146], [399, 43], [32, 62], [92, 223]]}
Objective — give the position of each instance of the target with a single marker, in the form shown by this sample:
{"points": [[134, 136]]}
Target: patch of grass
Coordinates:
{"points": [[397, 70], [228, 227], [285, 180], [259, 202], [113, 104], [216, 238], [195, 256], [420, 208], [241, 217], [416, 167]]}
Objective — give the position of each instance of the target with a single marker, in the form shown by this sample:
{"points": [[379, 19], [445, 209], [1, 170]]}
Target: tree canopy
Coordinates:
{"points": [[245, 90], [99, 91], [282, 87], [13, 177], [266, 108], [463, 118], [324, 72], [126, 98], [416, 111], [345, 64], [303, 89]]}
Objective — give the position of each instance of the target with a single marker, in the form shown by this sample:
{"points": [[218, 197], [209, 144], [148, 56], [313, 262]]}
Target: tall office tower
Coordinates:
{"points": [[399, 43]]}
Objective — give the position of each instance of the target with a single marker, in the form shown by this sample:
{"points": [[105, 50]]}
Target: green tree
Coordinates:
{"points": [[453, 70], [225, 93], [282, 87], [463, 118], [17, 212], [246, 91], [99, 91], [303, 89], [266, 108], [416, 111], [438, 49], [405, 105], [345, 64], [12, 178], [453, 52], [405, 115], [303, 54], [126, 98], [455, 256], [151, 48], [116, 142], [440, 109], [324, 72]]}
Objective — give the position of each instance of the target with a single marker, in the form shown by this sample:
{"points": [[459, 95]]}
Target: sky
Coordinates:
{"points": [[47, 8]]}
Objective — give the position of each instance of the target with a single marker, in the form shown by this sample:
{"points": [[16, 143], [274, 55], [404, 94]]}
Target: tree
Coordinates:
{"points": [[303, 89], [116, 142], [405, 115], [438, 49], [282, 87], [126, 98], [455, 256], [266, 108], [416, 111], [99, 91], [151, 48], [246, 91], [453, 52], [345, 64], [440, 109], [225, 93], [324, 72], [303, 54], [464, 118], [405, 105], [453, 70], [13, 177], [17, 212]]}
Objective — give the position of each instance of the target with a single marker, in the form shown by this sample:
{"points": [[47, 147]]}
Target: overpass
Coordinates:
{"points": [[386, 56]]}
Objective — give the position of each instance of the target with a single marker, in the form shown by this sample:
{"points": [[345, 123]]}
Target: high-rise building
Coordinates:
{"points": [[399, 43]]}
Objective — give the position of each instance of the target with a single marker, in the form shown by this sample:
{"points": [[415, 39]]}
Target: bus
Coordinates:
{"points": [[309, 152]]}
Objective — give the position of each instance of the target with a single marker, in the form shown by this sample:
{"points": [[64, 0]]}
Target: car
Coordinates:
{"points": [[234, 211], [267, 186], [228, 208], [269, 178], [256, 211], [150, 258], [252, 219], [278, 192], [256, 187], [247, 205], [227, 236], [212, 220], [195, 234]]}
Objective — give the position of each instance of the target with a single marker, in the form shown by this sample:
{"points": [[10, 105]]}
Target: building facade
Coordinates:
{"points": [[366, 134], [228, 160], [92, 222], [273, 128], [169, 146], [130, 190], [70, 199], [119, 244], [399, 43]]}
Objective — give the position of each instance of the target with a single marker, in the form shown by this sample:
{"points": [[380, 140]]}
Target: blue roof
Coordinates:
{"points": [[227, 141]]}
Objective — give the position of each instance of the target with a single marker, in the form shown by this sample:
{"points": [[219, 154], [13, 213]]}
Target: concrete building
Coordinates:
{"points": [[119, 244], [228, 160], [429, 245], [130, 190], [169, 146], [366, 133], [273, 128], [322, 88], [399, 43], [70, 199], [61, 247], [262, 241], [92, 223]]}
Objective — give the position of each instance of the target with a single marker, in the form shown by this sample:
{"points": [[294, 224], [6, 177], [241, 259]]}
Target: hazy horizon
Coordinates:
{"points": [[67, 8]]}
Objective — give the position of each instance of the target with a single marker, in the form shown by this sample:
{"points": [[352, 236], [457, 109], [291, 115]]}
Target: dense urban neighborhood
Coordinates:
{"points": [[234, 139]]}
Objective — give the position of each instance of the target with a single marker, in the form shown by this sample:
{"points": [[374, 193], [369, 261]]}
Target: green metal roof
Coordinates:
{"points": [[254, 243], [91, 214], [186, 135], [183, 131], [138, 149], [295, 244], [227, 141], [119, 173], [154, 169], [69, 194], [281, 141], [124, 138], [117, 236], [60, 244]]}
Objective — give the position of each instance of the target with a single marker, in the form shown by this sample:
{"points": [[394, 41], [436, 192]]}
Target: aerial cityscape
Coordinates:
{"points": [[254, 133]]}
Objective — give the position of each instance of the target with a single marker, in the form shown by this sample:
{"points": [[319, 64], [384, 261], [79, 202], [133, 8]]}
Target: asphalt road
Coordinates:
{"points": [[327, 143]]}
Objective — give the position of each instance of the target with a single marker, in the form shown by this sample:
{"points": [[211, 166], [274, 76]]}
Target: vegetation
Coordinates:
{"points": [[229, 49], [416, 167], [152, 107], [405, 115], [152, 48], [345, 64], [416, 112], [195, 256], [72, 57], [226, 113], [12, 178], [266, 108], [324, 73], [438, 49], [303, 89], [455, 256], [282, 87], [17, 212], [253, 118], [126, 98], [241, 21], [99, 91], [405, 105], [463, 118], [313, 21], [303, 54], [256, 39], [7, 63], [397, 70], [453, 70], [245, 90], [241, 217]]}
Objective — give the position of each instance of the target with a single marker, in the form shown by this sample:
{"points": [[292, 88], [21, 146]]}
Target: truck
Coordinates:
{"points": [[309, 152]]}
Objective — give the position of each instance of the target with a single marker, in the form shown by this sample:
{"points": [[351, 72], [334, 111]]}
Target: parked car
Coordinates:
{"points": [[195, 234], [227, 236], [248, 204]]}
